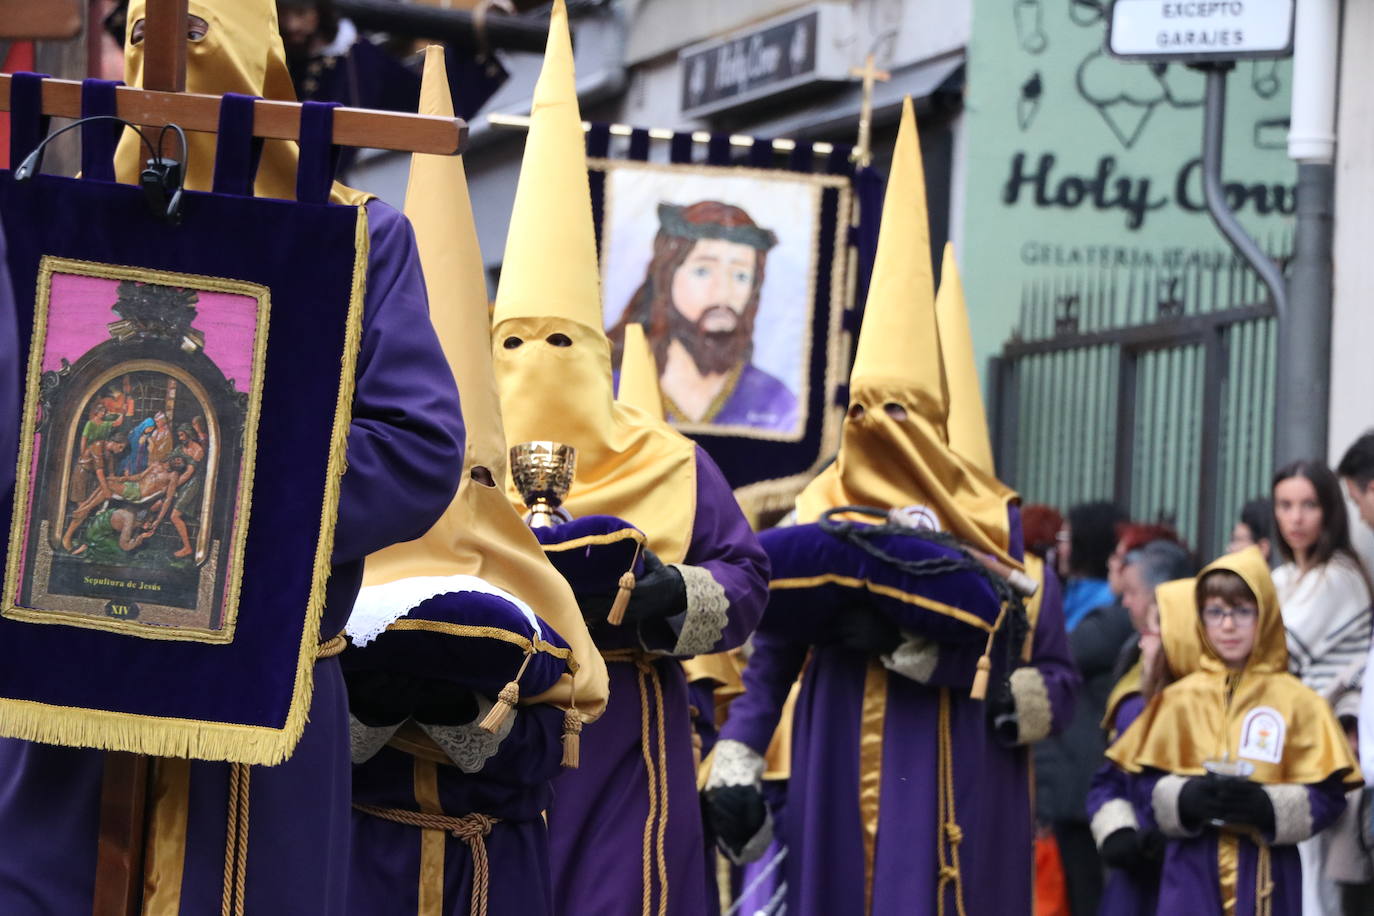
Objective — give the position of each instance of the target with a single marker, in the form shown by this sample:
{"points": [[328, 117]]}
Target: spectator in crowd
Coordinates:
{"points": [[1085, 542], [1255, 526], [1325, 597]]}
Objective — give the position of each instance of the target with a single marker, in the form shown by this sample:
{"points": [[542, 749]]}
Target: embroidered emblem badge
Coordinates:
{"points": [[915, 516], [1261, 735]]}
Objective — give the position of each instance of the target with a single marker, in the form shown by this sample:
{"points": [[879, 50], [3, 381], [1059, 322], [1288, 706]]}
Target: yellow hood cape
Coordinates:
{"points": [[241, 52], [887, 463], [1178, 640], [1260, 714], [480, 534], [552, 357]]}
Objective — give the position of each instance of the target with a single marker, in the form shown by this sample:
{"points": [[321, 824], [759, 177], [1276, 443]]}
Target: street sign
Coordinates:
{"points": [[777, 56], [1198, 31]]}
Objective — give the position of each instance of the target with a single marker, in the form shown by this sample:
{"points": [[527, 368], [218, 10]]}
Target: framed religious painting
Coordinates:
{"points": [[738, 278], [137, 450]]}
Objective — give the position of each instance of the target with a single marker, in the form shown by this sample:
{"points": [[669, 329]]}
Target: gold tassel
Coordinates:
{"points": [[622, 596], [505, 700], [622, 600], [572, 739], [979, 690], [505, 705]]}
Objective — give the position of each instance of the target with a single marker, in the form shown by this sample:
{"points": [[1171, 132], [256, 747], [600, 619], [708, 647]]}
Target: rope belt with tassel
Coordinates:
{"points": [[656, 768], [472, 829]]}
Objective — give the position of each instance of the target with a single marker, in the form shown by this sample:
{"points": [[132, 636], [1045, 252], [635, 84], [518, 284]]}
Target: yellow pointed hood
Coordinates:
{"points": [[552, 358], [639, 374], [480, 534], [241, 52], [967, 422], [888, 461], [1178, 626], [1261, 714]]}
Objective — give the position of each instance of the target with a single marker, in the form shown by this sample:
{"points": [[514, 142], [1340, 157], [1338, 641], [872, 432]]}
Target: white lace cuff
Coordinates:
{"points": [[735, 763], [1164, 801], [366, 740], [914, 659], [469, 746], [1292, 813], [707, 611], [1115, 815], [1034, 715]]}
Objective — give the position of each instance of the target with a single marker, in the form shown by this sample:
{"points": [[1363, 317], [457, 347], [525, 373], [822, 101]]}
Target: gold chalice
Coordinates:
{"points": [[543, 474]]}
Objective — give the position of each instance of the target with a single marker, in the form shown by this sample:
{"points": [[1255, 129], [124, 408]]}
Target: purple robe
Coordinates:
{"points": [[513, 786], [1124, 893], [759, 400], [598, 819], [1190, 879], [825, 830], [405, 455]]}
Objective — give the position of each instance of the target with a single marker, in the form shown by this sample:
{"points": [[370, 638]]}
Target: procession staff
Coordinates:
{"points": [[880, 817], [405, 446], [626, 825], [448, 816]]}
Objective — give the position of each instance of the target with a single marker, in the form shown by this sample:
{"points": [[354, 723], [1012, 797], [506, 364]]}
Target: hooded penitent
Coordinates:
{"points": [[552, 358], [1259, 714], [887, 462], [639, 374], [241, 52], [480, 534]]}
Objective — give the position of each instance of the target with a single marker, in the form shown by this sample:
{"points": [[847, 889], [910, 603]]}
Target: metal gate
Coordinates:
{"points": [[1152, 388]]}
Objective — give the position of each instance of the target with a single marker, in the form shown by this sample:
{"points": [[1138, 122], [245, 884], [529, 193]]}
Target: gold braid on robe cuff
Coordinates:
{"points": [[472, 829]]}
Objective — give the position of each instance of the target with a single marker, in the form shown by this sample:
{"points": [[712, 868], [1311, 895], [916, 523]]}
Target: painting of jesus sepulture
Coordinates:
{"points": [[134, 508]]}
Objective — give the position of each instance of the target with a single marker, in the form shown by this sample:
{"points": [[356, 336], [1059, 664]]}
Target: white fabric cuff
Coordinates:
{"points": [[708, 611], [914, 659], [1115, 815], [1292, 813], [1034, 715], [734, 763], [366, 740], [1164, 801], [469, 746]]}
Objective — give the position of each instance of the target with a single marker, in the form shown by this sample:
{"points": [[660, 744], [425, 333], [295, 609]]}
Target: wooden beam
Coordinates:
{"points": [[119, 848], [48, 20], [164, 45], [273, 120]]}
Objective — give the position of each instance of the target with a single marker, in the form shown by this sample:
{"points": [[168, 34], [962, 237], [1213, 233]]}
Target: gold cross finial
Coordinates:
{"points": [[863, 150]]}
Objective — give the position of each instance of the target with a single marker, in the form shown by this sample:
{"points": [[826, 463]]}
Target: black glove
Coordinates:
{"points": [[381, 698], [659, 591], [444, 703], [1199, 803], [1246, 803], [736, 814], [864, 629], [1121, 849]]}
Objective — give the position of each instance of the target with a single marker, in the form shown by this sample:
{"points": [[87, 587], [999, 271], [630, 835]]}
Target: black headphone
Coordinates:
{"points": [[161, 179]]}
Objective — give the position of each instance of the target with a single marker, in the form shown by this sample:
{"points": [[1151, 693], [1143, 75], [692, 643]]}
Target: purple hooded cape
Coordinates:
{"points": [[860, 729], [610, 823]]}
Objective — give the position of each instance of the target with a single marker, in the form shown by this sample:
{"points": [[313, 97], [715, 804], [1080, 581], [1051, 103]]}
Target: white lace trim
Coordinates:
{"points": [[915, 658], [1164, 801], [366, 740], [708, 610], [379, 606], [1034, 714], [1292, 813], [468, 746], [734, 763], [1115, 815]]}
